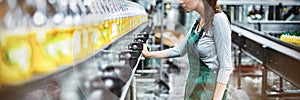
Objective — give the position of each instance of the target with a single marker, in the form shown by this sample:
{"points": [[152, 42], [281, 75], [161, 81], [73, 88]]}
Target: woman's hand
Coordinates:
{"points": [[219, 91], [145, 51]]}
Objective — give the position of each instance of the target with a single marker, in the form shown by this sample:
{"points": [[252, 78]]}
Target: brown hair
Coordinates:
{"points": [[210, 8]]}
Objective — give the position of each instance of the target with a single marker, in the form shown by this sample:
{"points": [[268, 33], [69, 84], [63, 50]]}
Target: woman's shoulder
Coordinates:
{"points": [[220, 17], [221, 22]]}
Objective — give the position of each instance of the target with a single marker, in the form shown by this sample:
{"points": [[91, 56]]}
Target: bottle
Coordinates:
{"points": [[40, 63], [58, 46], [15, 57]]}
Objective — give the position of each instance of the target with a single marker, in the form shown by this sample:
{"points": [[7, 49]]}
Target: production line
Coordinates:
{"points": [[92, 49]]}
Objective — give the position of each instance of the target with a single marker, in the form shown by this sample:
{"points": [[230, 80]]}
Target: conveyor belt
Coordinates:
{"points": [[270, 42], [280, 57]]}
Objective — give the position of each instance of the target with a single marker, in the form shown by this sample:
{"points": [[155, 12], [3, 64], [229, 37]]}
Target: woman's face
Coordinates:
{"points": [[189, 5]]}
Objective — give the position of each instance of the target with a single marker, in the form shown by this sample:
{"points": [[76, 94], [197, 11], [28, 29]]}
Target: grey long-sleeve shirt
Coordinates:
{"points": [[216, 47]]}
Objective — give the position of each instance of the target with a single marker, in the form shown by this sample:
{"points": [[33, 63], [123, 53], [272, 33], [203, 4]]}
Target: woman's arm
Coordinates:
{"points": [[155, 54], [222, 38], [219, 91], [169, 53]]}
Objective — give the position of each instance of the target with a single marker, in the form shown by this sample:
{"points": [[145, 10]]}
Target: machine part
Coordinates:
{"points": [[140, 40], [135, 46], [128, 55]]}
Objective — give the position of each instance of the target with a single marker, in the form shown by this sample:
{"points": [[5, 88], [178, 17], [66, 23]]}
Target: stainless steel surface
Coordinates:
{"points": [[259, 2], [283, 65]]}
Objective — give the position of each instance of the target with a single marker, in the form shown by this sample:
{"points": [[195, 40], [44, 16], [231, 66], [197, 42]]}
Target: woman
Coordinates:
{"points": [[208, 45]]}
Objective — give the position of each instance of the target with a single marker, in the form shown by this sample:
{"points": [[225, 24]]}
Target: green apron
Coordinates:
{"points": [[201, 79]]}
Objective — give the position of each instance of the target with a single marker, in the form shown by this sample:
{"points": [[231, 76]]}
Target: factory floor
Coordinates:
{"points": [[177, 84], [149, 90], [250, 86]]}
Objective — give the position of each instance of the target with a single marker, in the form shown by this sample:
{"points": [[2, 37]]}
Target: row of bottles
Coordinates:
{"points": [[291, 37], [60, 33]]}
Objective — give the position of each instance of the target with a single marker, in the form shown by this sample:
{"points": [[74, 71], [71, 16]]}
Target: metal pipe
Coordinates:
{"points": [[280, 84], [264, 76], [162, 25], [239, 62], [161, 37]]}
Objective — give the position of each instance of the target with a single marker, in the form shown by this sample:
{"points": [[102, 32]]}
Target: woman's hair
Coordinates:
{"points": [[210, 8]]}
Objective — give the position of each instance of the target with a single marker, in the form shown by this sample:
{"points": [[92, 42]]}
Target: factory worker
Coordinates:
{"points": [[208, 45]]}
